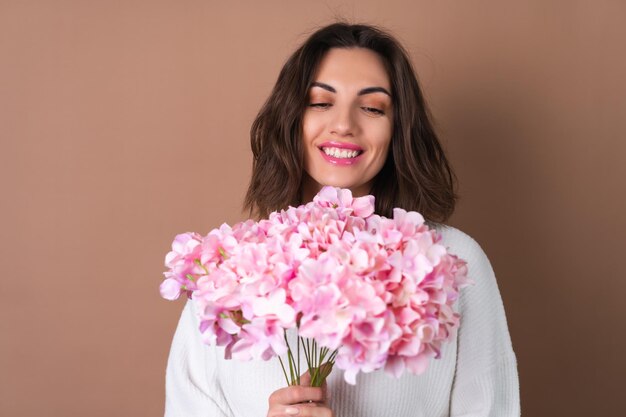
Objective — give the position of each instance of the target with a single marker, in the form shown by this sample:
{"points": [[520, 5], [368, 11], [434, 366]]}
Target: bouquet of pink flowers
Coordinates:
{"points": [[363, 292]]}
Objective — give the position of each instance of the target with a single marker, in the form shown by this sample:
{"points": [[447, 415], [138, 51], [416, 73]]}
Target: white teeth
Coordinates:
{"points": [[340, 153]]}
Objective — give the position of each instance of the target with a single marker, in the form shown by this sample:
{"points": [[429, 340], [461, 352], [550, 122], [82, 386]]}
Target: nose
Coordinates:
{"points": [[343, 123]]}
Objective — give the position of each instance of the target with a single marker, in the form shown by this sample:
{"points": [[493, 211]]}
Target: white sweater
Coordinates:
{"points": [[475, 376]]}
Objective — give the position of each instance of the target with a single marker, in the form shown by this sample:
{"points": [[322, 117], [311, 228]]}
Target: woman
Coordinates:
{"points": [[347, 111]]}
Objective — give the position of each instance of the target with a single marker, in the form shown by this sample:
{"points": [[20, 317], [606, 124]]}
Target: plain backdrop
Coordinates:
{"points": [[123, 123]]}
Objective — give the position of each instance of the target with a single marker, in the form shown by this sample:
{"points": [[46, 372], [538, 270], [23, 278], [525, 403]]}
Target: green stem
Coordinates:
{"points": [[298, 365], [197, 261], [314, 355], [307, 354], [291, 370], [291, 361], [284, 371]]}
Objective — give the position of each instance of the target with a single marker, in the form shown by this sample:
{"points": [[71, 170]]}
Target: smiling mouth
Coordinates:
{"points": [[340, 153]]}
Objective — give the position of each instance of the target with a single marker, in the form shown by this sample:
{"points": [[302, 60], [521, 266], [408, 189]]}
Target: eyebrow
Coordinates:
{"points": [[367, 90]]}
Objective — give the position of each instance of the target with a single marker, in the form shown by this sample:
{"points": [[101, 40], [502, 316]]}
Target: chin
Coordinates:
{"points": [[341, 183], [352, 182]]}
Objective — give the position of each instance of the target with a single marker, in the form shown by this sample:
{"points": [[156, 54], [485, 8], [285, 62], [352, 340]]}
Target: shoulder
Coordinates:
{"points": [[479, 267], [460, 243]]}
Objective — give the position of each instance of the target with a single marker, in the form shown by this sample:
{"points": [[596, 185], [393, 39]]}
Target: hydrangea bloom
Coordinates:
{"points": [[376, 292]]}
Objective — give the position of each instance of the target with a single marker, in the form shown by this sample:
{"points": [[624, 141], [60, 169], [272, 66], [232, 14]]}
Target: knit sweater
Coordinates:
{"points": [[476, 375]]}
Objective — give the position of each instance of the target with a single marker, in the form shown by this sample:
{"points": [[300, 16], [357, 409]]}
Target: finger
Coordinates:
{"points": [[296, 394], [283, 411], [299, 411]]}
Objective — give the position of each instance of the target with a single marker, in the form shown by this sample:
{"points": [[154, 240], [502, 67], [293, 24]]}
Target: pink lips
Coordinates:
{"points": [[341, 145]]}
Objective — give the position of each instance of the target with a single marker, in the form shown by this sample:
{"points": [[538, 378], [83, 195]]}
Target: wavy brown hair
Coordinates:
{"points": [[416, 175]]}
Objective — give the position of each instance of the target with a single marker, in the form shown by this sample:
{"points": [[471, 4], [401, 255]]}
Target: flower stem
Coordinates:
{"points": [[291, 361], [197, 261], [307, 354], [319, 361], [298, 364], [284, 371]]}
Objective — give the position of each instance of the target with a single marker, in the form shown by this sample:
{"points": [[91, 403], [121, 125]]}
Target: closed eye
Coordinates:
{"points": [[320, 105], [373, 110]]}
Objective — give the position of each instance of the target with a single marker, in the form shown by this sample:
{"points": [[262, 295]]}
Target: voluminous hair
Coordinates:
{"points": [[416, 175]]}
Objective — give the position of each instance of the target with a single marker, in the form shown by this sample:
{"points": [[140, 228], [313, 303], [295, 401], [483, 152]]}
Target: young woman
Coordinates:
{"points": [[347, 111]]}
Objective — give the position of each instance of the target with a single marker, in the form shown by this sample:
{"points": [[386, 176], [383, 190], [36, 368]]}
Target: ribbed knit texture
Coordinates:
{"points": [[475, 377]]}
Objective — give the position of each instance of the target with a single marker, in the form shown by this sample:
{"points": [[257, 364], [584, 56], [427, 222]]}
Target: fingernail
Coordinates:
{"points": [[292, 410]]}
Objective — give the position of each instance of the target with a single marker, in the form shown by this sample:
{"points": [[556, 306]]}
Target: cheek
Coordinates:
{"points": [[311, 127], [382, 143], [381, 138]]}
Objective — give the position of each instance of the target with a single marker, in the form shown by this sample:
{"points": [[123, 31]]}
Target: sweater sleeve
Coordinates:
{"points": [[191, 384], [486, 381]]}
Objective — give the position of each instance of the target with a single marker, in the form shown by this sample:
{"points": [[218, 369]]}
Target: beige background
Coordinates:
{"points": [[123, 123]]}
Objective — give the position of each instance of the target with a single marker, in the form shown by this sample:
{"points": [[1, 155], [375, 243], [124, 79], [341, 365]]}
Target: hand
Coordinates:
{"points": [[300, 400]]}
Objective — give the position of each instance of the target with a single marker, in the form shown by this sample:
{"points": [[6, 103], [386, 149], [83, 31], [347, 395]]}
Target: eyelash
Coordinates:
{"points": [[321, 105], [373, 110], [368, 109]]}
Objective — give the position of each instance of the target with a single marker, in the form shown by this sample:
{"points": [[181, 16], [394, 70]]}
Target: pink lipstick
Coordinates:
{"points": [[341, 153]]}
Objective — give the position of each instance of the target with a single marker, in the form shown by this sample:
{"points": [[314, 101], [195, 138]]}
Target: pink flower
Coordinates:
{"points": [[170, 289], [274, 307], [260, 339], [341, 199], [377, 292], [217, 245], [186, 248]]}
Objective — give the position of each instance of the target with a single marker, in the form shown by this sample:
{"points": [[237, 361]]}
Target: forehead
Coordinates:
{"points": [[358, 67]]}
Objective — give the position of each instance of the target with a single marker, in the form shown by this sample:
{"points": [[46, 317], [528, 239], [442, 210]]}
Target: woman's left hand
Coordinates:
{"points": [[300, 400]]}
